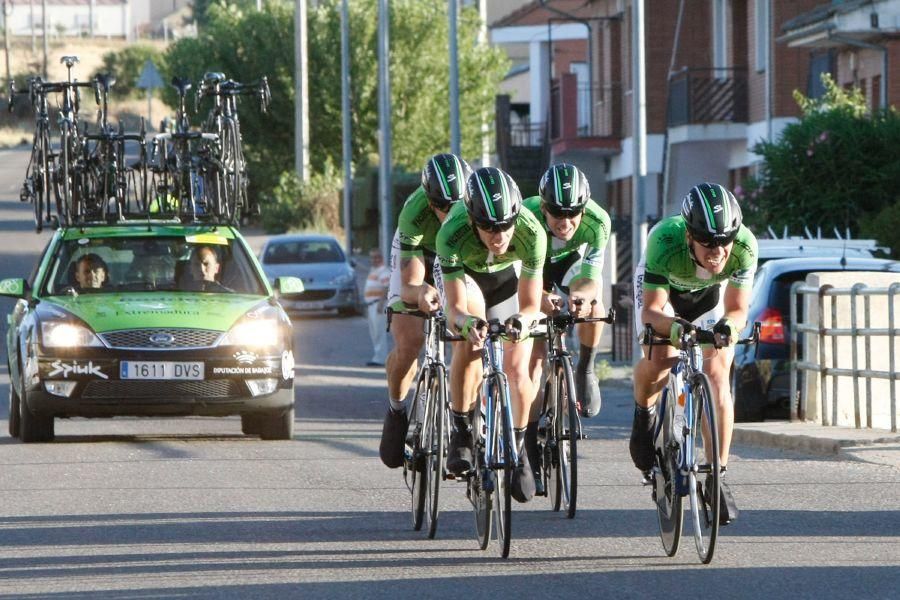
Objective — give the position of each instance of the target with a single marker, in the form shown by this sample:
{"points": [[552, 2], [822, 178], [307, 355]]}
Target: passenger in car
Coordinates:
{"points": [[205, 269]]}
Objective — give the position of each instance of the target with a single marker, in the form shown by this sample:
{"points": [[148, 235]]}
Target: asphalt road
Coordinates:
{"points": [[151, 508]]}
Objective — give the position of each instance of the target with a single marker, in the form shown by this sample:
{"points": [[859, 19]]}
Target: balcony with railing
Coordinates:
{"points": [[584, 117], [703, 96]]}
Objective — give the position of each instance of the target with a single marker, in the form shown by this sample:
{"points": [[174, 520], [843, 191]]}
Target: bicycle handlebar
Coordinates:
{"points": [[438, 316], [187, 135], [695, 335]]}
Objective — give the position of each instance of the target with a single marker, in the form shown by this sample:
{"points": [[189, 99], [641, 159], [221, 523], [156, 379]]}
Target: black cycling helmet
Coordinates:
{"points": [[712, 214], [493, 199], [564, 190], [444, 179]]}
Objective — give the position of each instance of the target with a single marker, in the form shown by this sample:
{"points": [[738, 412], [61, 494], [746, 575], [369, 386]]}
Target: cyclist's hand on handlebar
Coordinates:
{"points": [[518, 327], [677, 330], [579, 305], [473, 329], [551, 303], [726, 333], [429, 299]]}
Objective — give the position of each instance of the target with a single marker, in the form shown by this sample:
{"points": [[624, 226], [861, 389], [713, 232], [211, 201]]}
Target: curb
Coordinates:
{"points": [[804, 443]]}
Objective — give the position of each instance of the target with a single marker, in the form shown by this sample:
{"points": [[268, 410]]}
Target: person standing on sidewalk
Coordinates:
{"points": [[375, 294]]}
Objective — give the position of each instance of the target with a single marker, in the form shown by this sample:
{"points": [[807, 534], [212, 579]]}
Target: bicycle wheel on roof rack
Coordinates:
{"points": [[232, 165]]}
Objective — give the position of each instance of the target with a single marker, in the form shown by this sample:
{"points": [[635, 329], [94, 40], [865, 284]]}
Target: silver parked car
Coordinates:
{"points": [[328, 277]]}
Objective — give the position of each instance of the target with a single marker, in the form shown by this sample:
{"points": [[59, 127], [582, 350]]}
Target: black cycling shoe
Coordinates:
{"points": [[393, 437], [523, 480], [641, 443], [534, 457], [459, 452], [588, 389], [728, 510]]}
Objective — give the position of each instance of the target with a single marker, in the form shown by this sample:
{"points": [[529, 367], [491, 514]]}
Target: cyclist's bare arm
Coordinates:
{"points": [[737, 305], [412, 282], [653, 311], [458, 312]]}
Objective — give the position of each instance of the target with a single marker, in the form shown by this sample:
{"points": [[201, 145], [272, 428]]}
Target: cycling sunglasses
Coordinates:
{"points": [[496, 227], [562, 213], [712, 244]]}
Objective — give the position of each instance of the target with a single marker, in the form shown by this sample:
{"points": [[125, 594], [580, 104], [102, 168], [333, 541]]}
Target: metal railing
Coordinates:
{"points": [[598, 111], [854, 332]]}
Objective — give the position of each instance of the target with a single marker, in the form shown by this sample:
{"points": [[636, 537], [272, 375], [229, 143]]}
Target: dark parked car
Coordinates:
{"points": [[761, 375], [328, 277]]}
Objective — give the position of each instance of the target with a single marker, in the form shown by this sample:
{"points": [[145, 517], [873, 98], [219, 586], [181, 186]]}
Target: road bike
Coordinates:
{"points": [[429, 423], [559, 426], [222, 121], [489, 483], [686, 443]]}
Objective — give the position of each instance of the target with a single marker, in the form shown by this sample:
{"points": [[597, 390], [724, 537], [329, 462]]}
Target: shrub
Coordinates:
{"points": [[313, 205], [126, 65]]}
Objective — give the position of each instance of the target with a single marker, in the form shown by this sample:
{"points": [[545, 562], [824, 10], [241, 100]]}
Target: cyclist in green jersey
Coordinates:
{"points": [[577, 231], [697, 270], [412, 260], [491, 256]]}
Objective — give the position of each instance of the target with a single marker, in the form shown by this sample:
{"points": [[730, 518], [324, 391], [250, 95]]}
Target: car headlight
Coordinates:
{"points": [[344, 279], [60, 334], [259, 328]]}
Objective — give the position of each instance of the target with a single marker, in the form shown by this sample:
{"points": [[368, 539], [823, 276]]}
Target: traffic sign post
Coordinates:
{"points": [[149, 79]]}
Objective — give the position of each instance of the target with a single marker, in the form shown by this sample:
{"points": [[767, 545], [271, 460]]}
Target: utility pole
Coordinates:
{"points": [[301, 94], [91, 18], [44, 28], [6, 11], [33, 40], [639, 138], [345, 128], [485, 123], [453, 14], [385, 189]]}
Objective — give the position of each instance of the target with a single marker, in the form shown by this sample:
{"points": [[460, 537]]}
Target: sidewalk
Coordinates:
{"points": [[845, 443]]}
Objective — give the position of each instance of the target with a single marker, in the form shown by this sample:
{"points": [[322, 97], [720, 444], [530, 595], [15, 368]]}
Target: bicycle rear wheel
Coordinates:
{"points": [[503, 441], [233, 165], [415, 463], [704, 495], [435, 443], [480, 492], [668, 501]]}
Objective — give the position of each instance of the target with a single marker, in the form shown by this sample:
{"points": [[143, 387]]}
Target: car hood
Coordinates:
{"points": [[313, 275], [111, 312]]}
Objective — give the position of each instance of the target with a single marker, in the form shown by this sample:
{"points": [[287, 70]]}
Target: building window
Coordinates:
{"points": [[761, 11], [720, 35], [819, 64]]}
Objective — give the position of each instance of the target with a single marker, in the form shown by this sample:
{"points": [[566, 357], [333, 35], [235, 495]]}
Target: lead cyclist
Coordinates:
{"points": [[697, 270]]}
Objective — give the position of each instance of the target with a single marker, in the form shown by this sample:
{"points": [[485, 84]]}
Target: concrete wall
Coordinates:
{"points": [[879, 355]]}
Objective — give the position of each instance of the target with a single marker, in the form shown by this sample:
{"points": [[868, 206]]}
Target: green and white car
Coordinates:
{"points": [[161, 333]]}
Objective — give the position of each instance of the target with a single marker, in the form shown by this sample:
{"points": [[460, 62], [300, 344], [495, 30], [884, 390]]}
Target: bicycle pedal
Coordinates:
{"points": [[647, 478]]}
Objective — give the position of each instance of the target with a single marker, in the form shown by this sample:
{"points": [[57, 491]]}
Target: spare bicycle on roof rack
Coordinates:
{"points": [[107, 176]]}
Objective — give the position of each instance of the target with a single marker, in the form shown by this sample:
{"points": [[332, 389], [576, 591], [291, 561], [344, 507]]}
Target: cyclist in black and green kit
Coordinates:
{"points": [[491, 257], [697, 271], [577, 232], [412, 261]]}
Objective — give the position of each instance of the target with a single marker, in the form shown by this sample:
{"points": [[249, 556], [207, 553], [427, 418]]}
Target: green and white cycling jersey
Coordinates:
{"points": [[581, 256], [417, 226], [669, 263], [459, 248]]}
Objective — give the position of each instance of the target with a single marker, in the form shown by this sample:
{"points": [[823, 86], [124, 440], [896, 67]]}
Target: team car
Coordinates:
{"points": [[150, 319]]}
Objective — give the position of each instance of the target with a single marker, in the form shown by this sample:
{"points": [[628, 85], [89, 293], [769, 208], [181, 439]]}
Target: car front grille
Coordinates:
{"points": [[130, 390], [140, 338], [313, 295]]}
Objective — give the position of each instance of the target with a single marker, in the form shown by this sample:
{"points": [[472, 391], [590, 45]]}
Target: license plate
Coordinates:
{"points": [[132, 369], [311, 305]]}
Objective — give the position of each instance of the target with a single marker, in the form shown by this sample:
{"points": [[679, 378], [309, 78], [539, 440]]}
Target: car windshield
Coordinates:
{"points": [[303, 251], [149, 264]]}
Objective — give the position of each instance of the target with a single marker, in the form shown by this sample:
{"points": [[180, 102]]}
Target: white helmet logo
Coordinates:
{"points": [[718, 208]]}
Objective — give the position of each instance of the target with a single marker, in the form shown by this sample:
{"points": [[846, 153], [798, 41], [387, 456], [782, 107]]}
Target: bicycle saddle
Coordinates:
{"points": [[105, 81], [182, 84], [68, 60], [212, 78]]}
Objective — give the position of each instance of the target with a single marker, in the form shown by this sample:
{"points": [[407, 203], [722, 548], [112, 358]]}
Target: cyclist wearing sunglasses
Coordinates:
{"points": [[698, 269], [483, 246], [412, 279]]}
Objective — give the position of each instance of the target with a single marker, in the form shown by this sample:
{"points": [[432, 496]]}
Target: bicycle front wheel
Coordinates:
{"points": [[567, 434], [434, 443], [415, 464], [668, 501], [501, 472], [480, 490], [704, 494]]}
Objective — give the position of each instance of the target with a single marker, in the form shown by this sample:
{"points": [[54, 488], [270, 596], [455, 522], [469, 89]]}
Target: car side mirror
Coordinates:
{"points": [[15, 288], [286, 287], [353, 262]]}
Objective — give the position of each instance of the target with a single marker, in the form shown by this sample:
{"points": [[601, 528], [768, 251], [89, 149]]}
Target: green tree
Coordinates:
{"points": [[245, 44], [836, 167], [201, 6], [126, 65]]}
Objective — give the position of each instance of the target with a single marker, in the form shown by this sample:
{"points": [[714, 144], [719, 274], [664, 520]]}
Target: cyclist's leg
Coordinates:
{"points": [[465, 377], [538, 354], [649, 379]]}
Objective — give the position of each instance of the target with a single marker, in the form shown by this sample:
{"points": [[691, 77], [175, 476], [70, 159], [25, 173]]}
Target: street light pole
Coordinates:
{"points": [[385, 194], [453, 13], [345, 129], [44, 28], [639, 138], [301, 94]]}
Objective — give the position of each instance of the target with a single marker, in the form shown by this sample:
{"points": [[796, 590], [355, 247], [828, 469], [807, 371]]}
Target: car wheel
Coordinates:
{"points": [[250, 424], [33, 428], [14, 417], [277, 427], [746, 407], [347, 311]]}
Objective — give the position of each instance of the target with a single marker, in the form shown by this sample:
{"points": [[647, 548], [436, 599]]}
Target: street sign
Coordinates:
{"points": [[150, 77]]}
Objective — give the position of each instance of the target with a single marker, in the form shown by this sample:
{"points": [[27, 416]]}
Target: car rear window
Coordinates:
{"points": [[303, 252]]}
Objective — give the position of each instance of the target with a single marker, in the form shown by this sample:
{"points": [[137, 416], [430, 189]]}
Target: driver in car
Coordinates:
{"points": [[91, 272]]}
